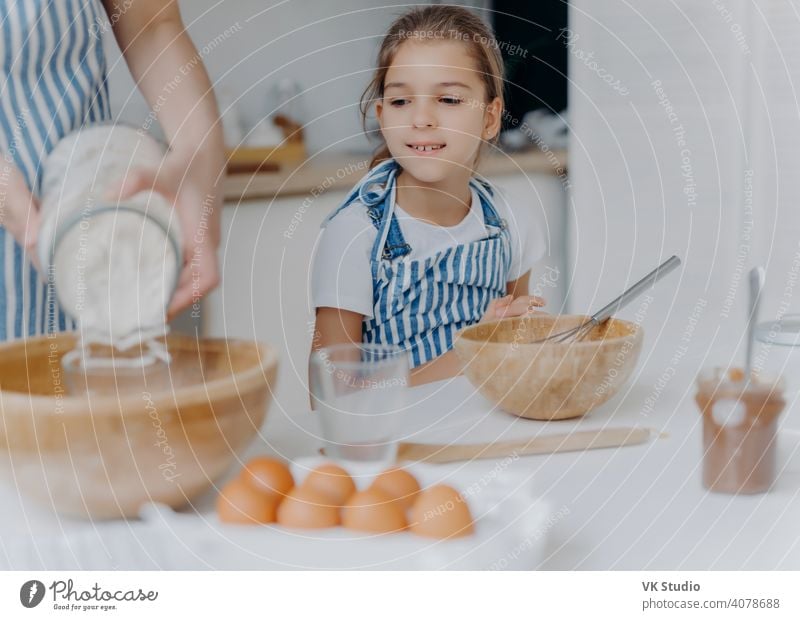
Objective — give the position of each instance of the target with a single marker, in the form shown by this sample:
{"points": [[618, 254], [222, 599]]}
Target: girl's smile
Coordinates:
{"points": [[427, 148]]}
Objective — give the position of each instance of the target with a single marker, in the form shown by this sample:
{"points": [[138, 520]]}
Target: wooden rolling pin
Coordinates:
{"points": [[543, 444]]}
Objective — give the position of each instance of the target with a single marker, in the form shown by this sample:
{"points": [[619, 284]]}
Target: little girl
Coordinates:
{"points": [[422, 246]]}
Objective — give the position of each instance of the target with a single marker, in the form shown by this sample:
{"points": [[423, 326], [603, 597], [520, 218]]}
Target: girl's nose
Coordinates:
{"points": [[423, 114]]}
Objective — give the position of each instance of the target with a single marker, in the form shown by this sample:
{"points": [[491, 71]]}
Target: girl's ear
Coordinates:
{"points": [[379, 112], [492, 119]]}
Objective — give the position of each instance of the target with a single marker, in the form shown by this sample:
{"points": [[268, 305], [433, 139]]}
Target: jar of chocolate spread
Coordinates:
{"points": [[740, 419]]}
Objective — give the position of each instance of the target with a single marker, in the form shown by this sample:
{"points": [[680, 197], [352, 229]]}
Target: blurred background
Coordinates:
{"points": [[255, 50], [635, 131]]}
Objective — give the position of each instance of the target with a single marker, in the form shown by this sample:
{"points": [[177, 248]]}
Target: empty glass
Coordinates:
{"points": [[359, 392], [777, 352]]}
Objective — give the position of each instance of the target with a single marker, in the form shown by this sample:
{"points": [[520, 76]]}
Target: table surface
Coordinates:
{"points": [[634, 508]]}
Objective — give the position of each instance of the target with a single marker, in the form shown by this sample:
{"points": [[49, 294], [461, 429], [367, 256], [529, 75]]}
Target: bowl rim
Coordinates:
{"points": [[76, 405], [636, 333]]}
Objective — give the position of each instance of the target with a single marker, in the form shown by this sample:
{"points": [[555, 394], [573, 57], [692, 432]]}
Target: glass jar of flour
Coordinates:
{"points": [[114, 264]]}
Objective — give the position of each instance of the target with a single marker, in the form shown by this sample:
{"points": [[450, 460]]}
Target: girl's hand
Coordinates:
{"points": [[19, 210], [503, 307], [192, 185]]}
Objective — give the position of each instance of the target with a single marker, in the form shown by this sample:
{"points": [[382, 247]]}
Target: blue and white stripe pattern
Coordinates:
{"points": [[421, 304], [52, 81]]}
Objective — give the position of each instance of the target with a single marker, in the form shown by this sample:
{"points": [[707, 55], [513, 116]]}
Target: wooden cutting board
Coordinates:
{"points": [[542, 444]]}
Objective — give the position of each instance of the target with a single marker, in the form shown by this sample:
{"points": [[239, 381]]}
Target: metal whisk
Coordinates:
{"points": [[581, 331]]}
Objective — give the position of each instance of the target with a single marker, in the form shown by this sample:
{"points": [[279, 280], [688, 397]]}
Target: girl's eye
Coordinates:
{"points": [[451, 100], [398, 103]]}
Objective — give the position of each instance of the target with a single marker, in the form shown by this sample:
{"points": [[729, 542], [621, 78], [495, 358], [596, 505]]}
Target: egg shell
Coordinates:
{"points": [[239, 502], [332, 481], [398, 484], [441, 512], [268, 475], [373, 511], [306, 508]]}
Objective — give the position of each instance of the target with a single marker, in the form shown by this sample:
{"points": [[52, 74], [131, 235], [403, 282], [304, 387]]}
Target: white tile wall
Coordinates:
{"points": [[729, 69], [328, 47]]}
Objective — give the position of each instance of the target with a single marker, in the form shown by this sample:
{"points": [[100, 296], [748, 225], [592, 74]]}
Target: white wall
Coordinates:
{"points": [[328, 47], [727, 69]]}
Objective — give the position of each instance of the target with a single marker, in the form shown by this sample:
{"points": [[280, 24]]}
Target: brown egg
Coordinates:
{"points": [[399, 485], [307, 508], [373, 511], [269, 476], [332, 481], [239, 502], [440, 512]]}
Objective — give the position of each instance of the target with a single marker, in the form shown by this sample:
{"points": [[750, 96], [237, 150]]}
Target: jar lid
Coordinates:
{"points": [[784, 331]]}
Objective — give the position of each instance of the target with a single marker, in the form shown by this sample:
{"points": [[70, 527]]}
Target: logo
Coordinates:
{"points": [[31, 593]]}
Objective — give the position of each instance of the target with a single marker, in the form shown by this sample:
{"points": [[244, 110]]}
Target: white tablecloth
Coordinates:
{"points": [[638, 507]]}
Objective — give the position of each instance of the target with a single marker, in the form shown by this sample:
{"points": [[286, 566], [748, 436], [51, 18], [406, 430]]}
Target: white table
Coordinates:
{"points": [[638, 507]]}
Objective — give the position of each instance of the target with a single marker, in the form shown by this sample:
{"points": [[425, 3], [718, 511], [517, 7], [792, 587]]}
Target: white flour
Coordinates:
{"points": [[114, 266]]}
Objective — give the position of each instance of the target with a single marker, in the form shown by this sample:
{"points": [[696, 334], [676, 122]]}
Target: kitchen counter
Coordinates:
{"points": [[632, 508], [341, 171]]}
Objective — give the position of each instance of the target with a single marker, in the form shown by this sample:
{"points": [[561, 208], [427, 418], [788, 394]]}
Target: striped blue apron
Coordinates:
{"points": [[419, 305], [52, 81]]}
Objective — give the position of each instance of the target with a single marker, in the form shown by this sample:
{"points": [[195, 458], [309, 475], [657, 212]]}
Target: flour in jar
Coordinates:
{"points": [[114, 265]]}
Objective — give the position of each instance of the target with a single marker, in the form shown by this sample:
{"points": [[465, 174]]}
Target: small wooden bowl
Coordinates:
{"points": [[548, 381], [104, 456]]}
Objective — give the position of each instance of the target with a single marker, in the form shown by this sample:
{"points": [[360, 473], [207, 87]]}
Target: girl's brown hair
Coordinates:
{"points": [[432, 23]]}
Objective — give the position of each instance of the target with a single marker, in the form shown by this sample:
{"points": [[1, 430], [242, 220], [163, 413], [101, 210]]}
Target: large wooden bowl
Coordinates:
{"points": [[548, 381], [105, 456]]}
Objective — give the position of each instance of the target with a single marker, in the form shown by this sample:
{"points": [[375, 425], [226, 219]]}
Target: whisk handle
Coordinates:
{"points": [[636, 290]]}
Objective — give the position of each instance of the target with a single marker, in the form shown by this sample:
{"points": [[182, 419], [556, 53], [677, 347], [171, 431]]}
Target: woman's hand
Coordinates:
{"points": [[158, 50], [192, 185], [503, 307], [19, 210]]}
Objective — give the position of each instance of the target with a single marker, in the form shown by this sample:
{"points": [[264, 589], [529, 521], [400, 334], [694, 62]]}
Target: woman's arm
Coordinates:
{"points": [[170, 74]]}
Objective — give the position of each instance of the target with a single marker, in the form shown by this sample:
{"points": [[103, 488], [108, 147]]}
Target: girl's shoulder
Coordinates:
{"points": [[353, 217], [370, 190], [348, 236], [495, 194], [348, 229]]}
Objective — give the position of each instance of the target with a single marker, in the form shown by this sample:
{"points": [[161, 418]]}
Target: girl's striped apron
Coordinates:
{"points": [[420, 304], [52, 81]]}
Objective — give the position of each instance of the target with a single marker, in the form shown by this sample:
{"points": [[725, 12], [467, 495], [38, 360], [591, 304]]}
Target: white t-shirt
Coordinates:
{"points": [[342, 275]]}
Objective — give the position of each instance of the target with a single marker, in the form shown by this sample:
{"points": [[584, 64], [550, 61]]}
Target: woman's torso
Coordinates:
{"points": [[52, 81]]}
